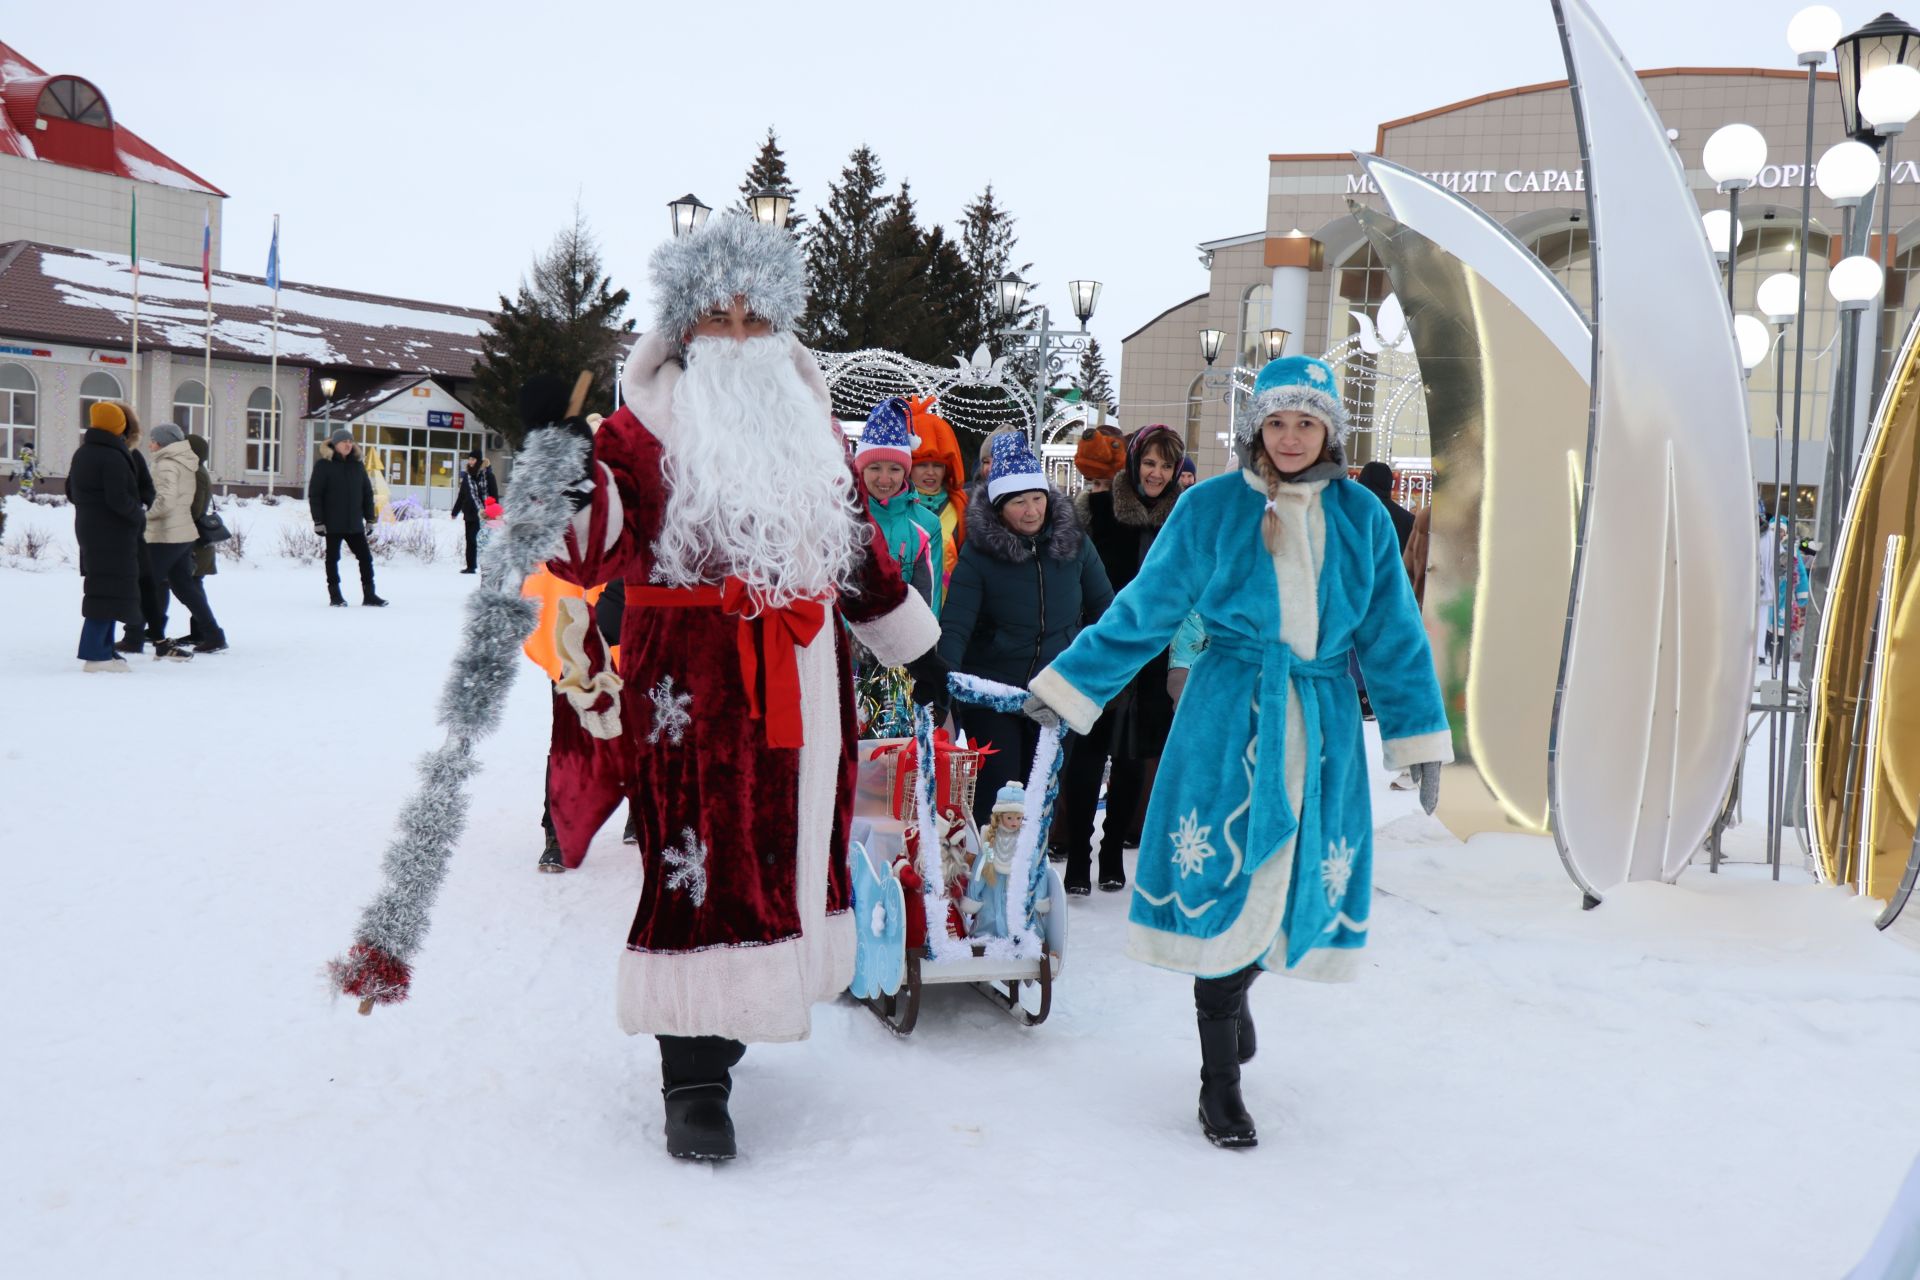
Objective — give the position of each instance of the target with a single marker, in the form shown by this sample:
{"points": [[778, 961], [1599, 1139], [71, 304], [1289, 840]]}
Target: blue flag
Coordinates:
{"points": [[273, 257]]}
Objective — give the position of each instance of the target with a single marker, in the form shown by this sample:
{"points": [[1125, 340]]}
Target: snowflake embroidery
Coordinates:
{"points": [[669, 712], [1316, 373], [1191, 847], [689, 866], [1337, 870]]}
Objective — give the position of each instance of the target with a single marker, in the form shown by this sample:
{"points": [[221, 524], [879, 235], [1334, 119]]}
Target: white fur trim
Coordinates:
{"points": [[902, 634], [764, 994], [1076, 708], [582, 685], [1297, 564], [1404, 753], [999, 487]]}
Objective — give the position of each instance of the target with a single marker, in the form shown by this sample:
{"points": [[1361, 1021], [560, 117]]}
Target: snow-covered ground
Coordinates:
{"points": [[1708, 1080]]}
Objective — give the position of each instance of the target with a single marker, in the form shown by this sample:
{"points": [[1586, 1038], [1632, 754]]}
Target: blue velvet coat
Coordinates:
{"points": [[1258, 842]]}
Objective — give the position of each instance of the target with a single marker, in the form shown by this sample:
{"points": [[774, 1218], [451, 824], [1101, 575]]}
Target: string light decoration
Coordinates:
{"points": [[971, 394]]}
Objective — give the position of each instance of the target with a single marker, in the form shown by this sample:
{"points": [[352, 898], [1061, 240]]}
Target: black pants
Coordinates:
{"points": [[1080, 797], [356, 543], [173, 567], [686, 1060], [153, 598], [1013, 738], [473, 543]]}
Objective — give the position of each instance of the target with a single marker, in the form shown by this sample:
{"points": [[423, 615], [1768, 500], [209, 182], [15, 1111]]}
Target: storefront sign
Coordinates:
{"points": [[444, 418], [1519, 181], [38, 353], [101, 357]]}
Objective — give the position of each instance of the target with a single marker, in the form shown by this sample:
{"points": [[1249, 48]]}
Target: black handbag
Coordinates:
{"points": [[212, 528]]}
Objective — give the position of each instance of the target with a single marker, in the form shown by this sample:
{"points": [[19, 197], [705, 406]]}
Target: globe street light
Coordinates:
{"points": [[1855, 282], [689, 215], [1812, 33], [1733, 158], [1717, 222], [1753, 340], [1779, 298], [1846, 173]]}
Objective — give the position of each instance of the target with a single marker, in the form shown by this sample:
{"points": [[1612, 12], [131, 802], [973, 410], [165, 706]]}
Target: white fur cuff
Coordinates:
{"points": [[902, 634], [1076, 708], [1404, 753]]}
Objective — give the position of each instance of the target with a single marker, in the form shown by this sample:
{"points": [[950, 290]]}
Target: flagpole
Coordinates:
{"points": [[273, 377], [133, 255], [206, 381]]}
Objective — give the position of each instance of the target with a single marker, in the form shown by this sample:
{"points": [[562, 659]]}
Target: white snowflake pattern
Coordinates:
{"points": [[670, 714], [1316, 373], [1191, 846], [689, 866], [1337, 870]]}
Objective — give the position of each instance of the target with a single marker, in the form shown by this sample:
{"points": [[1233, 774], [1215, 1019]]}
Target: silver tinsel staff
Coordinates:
{"points": [[546, 473]]}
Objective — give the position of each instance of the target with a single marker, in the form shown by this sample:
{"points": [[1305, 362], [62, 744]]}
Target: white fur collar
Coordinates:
{"points": [[653, 369]]}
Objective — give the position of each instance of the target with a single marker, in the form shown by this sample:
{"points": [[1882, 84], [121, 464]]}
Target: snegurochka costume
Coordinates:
{"points": [[1258, 846]]}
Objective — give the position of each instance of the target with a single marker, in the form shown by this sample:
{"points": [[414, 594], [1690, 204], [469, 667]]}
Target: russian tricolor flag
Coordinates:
{"points": [[206, 251]]}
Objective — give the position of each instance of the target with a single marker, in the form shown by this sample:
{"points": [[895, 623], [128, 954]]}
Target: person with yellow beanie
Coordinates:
{"points": [[107, 520]]}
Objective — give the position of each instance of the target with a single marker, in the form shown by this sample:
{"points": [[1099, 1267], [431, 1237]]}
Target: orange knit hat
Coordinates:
{"points": [[107, 416]]}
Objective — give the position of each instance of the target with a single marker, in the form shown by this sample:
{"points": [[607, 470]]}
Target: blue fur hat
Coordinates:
{"points": [[1015, 469], [1011, 798], [887, 438], [1296, 382]]}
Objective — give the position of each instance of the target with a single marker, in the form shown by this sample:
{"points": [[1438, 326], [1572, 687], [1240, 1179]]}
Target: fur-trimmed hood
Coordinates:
{"points": [[1061, 533], [1130, 509], [654, 367]]}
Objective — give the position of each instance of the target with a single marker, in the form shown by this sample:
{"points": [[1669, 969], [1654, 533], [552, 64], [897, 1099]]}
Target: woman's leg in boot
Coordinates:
{"points": [[1124, 795], [1217, 1004], [695, 1082]]}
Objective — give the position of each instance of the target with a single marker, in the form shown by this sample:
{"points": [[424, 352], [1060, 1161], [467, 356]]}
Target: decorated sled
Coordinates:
{"points": [[935, 900]]}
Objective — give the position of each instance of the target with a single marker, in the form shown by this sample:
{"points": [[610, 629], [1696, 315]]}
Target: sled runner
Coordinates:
{"points": [[1000, 924]]}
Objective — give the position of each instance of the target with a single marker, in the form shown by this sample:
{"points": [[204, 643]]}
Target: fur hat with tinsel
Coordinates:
{"points": [[1294, 382], [1015, 469], [731, 256], [887, 438], [1012, 798]]}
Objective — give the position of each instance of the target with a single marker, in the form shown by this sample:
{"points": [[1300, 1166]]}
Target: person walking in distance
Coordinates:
{"points": [[107, 519], [476, 486], [340, 497], [171, 534], [153, 592]]}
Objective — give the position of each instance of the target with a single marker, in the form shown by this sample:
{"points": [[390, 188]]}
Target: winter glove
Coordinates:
{"points": [[1428, 776], [319, 529], [929, 675], [1036, 710], [543, 407]]}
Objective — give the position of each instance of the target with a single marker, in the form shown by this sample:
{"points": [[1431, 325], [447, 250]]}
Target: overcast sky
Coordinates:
{"points": [[428, 150]]}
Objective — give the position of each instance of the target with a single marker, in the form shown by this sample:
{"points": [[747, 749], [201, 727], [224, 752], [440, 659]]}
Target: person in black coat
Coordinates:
{"points": [[108, 518], [1122, 524], [340, 497], [476, 486], [1025, 582], [1377, 479]]}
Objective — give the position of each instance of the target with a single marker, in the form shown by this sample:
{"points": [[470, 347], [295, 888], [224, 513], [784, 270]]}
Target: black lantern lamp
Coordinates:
{"points": [[1086, 296], [770, 205], [1210, 340], [1010, 292], [1882, 42], [1274, 342], [689, 215]]}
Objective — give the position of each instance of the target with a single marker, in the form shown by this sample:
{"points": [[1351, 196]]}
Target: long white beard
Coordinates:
{"points": [[758, 483]]}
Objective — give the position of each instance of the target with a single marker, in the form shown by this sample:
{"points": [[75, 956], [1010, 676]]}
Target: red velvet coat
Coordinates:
{"points": [[744, 912]]}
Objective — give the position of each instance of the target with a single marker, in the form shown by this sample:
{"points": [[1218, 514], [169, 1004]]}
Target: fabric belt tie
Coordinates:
{"points": [[1273, 819], [768, 641]]}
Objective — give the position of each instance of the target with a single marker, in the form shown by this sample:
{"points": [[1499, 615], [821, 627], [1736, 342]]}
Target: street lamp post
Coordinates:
{"points": [[1734, 156], [1049, 346], [688, 214], [327, 388], [770, 205], [1889, 98]]}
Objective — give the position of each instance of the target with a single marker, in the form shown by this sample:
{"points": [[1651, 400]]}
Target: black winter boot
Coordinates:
{"points": [[550, 860], [1249, 1043], [373, 601], [1218, 1003], [696, 1082]]}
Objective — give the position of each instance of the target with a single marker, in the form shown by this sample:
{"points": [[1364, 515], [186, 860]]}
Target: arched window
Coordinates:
{"points": [[263, 431], [97, 387], [19, 409], [1256, 313], [70, 98], [192, 407]]}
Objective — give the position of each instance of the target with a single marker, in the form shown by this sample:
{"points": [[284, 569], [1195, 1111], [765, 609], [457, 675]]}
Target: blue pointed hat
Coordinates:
{"points": [[1015, 469], [1301, 383], [887, 438]]}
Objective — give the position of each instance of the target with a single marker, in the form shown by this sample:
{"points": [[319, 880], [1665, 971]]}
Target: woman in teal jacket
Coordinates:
{"points": [[1258, 848]]}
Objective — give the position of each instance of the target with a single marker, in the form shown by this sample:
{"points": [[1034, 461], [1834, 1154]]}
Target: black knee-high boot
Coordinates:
{"points": [[1218, 1005], [1248, 1043], [695, 1082]]}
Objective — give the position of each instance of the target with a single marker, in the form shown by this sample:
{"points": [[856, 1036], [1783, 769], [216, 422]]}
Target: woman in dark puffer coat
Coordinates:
{"points": [[108, 518], [1027, 580]]}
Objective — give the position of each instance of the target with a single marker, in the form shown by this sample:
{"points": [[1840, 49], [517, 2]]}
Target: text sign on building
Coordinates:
{"points": [[445, 418], [1519, 181]]}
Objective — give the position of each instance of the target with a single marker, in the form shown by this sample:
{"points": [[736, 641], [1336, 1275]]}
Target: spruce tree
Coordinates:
{"points": [[565, 317], [896, 292], [769, 172], [987, 243], [840, 252], [1095, 385], [949, 300]]}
